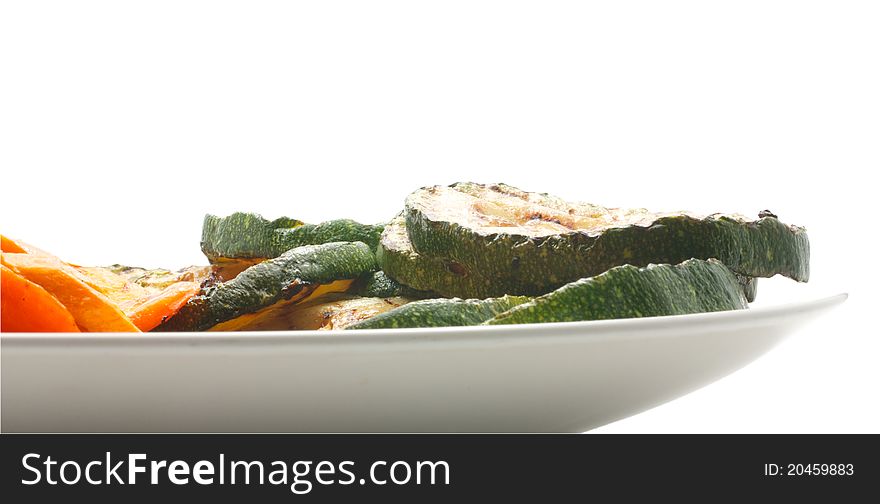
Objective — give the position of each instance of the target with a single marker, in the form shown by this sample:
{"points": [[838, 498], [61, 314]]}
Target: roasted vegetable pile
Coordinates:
{"points": [[464, 254]]}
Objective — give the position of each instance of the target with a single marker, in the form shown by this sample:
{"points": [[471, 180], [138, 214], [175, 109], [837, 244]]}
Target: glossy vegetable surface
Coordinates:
{"points": [[91, 310], [27, 307]]}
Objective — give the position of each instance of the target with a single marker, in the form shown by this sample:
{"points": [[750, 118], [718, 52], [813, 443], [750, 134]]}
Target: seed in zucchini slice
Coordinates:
{"points": [[289, 278], [441, 313], [693, 286], [531, 243]]}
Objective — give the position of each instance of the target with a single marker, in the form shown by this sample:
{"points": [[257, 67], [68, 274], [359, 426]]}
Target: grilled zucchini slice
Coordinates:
{"points": [[294, 276], [627, 291], [530, 243], [441, 313], [238, 241]]}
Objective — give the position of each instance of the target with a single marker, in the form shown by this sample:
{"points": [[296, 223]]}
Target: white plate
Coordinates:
{"points": [[570, 376]]}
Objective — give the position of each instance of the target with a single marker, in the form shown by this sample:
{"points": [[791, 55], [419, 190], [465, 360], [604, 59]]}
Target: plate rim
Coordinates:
{"points": [[659, 326]]}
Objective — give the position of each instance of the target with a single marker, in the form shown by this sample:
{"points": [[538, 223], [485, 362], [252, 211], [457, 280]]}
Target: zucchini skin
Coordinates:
{"points": [[693, 286], [519, 264], [749, 286], [399, 261], [240, 235], [378, 284], [339, 311], [271, 281], [441, 313], [327, 232], [250, 236]]}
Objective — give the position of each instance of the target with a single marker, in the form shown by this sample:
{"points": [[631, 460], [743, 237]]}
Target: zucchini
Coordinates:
{"points": [[377, 284], [290, 278], [531, 243], [441, 313], [330, 311], [326, 232], [749, 286], [340, 311], [399, 261], [234, 243], [627, 291], [242, 235]]}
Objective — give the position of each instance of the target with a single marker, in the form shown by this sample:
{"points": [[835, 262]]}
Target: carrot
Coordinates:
{"points": [[10, 245], [151, 312], [27, 307], [91, 310]]}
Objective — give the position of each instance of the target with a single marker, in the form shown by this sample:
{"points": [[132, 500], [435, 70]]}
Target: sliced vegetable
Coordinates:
{"points": [[225, 269], [530, 243], [377, 284], [236, 242], [326, 232], [8, 244], [330, 311], [91, 310], [150, 312], [127, 286], [441, 313], [693, 286], [161, 278], [289, 278], [241, 235], [116, 287], [346, 311], [749, 286], [27, 307], [270, 315], [425, 273]]}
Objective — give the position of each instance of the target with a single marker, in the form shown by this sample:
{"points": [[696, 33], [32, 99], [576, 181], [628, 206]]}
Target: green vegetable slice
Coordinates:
{"points": [[399, 261], [330, 311], [238, 241], [749, 286], [531, 243], [694, 286], [441, 313], [377, 284], [290, 278]]}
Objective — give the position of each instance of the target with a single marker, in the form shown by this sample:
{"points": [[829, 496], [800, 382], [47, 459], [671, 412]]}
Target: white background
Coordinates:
{"points": [[122, 123]]}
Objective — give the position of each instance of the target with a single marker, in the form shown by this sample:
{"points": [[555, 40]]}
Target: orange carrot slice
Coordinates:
{"points": [[10, 245], [150, 312], [27, 307], [92, 310]]}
